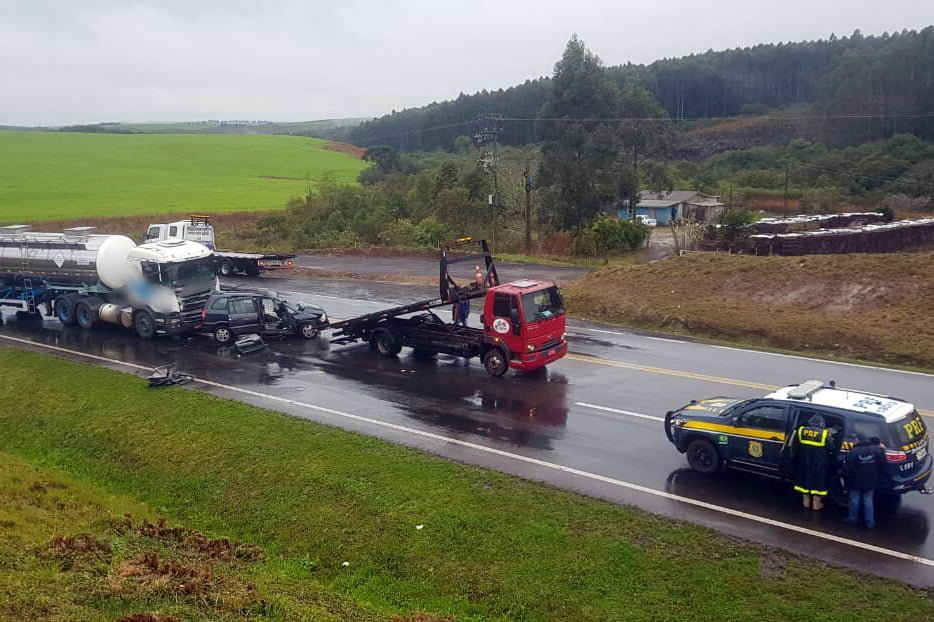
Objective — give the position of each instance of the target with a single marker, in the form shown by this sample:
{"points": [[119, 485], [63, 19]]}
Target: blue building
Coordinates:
{"points": [[676, 205]]}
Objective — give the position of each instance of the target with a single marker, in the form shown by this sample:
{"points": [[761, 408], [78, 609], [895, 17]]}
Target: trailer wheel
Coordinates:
{"points": [[308, 330], [226, 269], [386, 344], [144, 325], [252, 270], [222, 334], [65, 310], [84, 315], [495, 362]]}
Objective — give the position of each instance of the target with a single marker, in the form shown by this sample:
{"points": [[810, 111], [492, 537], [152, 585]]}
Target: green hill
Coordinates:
{"points": [[57, 175]]}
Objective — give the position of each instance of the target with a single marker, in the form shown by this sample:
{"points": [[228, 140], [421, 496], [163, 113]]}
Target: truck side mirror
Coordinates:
{"points": [[514, 316]]}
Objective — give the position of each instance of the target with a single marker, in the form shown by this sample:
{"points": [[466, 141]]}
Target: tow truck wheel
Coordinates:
{"points": [[222, 334], [494, 362], [308, 330], [386, 344], [145, 327], [703, 456], [65, 310], [226, 268]]}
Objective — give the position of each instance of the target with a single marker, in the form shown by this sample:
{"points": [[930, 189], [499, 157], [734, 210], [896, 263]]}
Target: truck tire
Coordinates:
{"points": [[222, 334], [308, 330], [85, 316], [495, 362], [144, 325], [65, 310], [703, 456], [226, 269], [386, 343]]}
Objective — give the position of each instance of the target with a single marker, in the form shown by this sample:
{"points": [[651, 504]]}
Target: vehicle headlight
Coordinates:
{"points": [[531, 347], [324, 317], [677, 422]]}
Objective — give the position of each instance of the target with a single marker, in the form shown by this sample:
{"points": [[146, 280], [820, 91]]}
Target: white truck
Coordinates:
{"points": [[84, 278], [198, 228]]}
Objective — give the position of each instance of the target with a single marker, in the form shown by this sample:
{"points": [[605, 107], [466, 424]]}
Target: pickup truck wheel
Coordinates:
{"points": [[84, 315], [144, 325], [495, 363], [308, 330], [703, 456], [386, 344], [65, 310], [222, 334], [226, 269]]}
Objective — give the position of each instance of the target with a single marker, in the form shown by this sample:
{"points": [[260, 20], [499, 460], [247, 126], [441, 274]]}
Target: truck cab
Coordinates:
{"points": [[526, 320], [195, 229]]}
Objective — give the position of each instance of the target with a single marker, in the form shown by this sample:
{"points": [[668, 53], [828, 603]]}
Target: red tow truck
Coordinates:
{"points": [[523, 322]]}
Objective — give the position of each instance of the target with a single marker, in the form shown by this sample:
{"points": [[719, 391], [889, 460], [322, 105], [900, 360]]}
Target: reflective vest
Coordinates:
{"points": [[816, 437]]}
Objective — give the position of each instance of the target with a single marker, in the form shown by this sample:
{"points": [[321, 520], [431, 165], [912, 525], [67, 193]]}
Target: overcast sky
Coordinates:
{"points": [[282, 60]]}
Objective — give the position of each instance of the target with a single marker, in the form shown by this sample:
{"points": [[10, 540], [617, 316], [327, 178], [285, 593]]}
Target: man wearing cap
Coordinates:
{"points": [[861, 471]]}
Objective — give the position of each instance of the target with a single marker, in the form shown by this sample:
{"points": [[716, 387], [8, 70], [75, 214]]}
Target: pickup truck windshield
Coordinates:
{"points": [[542, 305], [188, 272]]}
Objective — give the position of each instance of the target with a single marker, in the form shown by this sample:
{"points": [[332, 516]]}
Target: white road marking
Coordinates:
{"points": [[613, 332], [526, 459], [814, 360], [619, 412]]}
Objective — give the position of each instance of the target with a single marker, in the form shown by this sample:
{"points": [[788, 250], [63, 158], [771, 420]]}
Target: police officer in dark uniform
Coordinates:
{"points": [[861, 471], [811, 449]]}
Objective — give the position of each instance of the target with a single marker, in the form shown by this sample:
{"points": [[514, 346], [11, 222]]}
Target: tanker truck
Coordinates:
{"points": [[84, 278]]}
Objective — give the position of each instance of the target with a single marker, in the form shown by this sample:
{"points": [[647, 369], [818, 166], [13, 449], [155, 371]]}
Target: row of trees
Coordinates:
{"points": [[868, 76]]}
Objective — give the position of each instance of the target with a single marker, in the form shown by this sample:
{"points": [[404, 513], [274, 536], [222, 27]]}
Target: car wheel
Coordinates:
{"points": [[226, 268], [145, 327], [222, 334], [495, 363], [703, 457], [308, 330], [84, 316]]}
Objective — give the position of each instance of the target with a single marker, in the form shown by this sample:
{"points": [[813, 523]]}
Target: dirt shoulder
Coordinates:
{"points": [[871, 307]]}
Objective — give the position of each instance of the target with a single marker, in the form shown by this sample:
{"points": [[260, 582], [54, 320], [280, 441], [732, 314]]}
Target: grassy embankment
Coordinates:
{"points": [[62, 175], [297, 500], [858, 306]]}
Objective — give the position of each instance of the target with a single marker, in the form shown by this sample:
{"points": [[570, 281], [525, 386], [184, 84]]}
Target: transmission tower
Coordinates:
{"points": [[486, 135]]}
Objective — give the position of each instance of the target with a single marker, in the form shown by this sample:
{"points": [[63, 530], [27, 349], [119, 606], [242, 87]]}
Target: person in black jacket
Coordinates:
{"points": [[861, 471]]}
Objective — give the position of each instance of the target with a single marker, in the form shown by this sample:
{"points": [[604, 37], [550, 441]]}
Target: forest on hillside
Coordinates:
{"points": [[845, 90]]}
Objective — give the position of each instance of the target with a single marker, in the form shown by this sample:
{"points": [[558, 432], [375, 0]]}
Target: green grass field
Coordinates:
{"points": [[95, 444], [59, 175]]}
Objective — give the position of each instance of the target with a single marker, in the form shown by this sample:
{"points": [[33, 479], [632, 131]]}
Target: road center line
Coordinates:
{"points": [[520, 458], [619, 412]]}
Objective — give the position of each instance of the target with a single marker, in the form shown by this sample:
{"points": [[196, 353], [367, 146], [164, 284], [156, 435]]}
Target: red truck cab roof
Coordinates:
{"points": [[522, 286]]}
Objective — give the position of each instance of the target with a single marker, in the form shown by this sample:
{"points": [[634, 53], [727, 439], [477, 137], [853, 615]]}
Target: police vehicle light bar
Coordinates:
{"points": [[806, 389]]}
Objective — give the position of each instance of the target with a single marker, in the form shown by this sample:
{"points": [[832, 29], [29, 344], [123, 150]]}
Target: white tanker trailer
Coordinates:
{"points": [[82, 278]]}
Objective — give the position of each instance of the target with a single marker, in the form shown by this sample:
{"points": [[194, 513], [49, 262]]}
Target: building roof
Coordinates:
{"points": [[891, 408], [650, 198]]}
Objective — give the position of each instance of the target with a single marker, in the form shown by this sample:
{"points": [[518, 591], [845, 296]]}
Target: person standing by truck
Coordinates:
{"points": [[861, 472], [811, 448]]}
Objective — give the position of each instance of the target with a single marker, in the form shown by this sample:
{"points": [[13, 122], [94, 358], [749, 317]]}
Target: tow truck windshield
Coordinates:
{"points": [[542, 305], [188, 272]]}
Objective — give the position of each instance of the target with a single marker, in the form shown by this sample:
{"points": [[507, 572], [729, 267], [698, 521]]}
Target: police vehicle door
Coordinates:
{"points": [[758, 436]]}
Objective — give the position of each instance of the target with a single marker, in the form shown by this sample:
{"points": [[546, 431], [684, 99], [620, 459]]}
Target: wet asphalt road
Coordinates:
{"points": [[428, 267], [536, 422]]}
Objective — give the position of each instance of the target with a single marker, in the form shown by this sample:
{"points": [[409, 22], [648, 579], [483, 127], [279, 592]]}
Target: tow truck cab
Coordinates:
{"points": [[526, 318]]}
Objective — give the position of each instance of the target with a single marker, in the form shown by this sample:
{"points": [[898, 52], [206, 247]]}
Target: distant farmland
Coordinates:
{"points": [[62, 175]]}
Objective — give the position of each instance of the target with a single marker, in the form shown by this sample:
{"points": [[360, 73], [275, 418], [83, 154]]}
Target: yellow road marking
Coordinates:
{"points": [[690, 375], [672, 372]]}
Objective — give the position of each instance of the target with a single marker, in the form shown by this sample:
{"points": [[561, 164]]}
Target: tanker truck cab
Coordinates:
{"points": [[525, 319], [169, 284]]}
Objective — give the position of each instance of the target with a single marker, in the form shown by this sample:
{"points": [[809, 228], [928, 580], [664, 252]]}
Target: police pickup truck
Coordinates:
{"points": [[755, 434]]}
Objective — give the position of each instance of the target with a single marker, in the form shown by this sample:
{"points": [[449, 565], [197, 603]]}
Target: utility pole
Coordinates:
{"points": [[785, 198], [529, 184], [486, 136]]}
